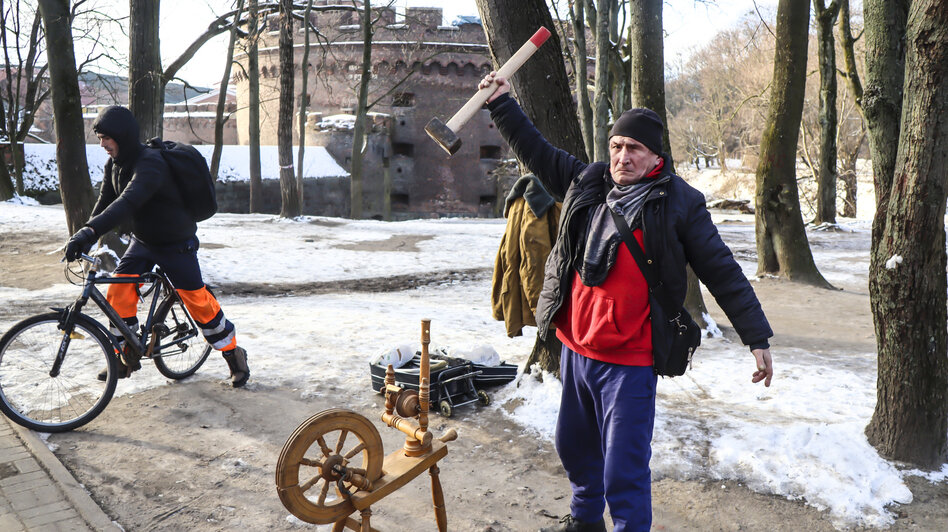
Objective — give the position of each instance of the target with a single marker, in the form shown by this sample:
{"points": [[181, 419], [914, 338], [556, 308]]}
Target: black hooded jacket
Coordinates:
{"points": [[676, 226], [138, 185]]}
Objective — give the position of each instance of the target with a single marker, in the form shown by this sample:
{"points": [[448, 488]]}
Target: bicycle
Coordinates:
{"points": [[50, 363]]}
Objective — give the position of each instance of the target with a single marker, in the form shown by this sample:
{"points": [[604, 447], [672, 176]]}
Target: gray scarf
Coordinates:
{"points": [[602, 236]]}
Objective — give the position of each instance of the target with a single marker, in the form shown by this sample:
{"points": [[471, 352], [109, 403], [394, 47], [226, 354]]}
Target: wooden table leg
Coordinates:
{"points": [[366, 514], [437, 496]]}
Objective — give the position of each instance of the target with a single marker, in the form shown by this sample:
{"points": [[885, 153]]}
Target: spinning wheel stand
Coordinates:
{"points": [[343, 474]]}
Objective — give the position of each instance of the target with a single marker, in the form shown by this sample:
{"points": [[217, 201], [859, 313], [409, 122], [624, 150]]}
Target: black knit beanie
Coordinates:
{"points": [[641, 124]]}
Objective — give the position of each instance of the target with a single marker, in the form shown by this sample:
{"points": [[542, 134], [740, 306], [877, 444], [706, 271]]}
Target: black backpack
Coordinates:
{"points": [[190, 171]]}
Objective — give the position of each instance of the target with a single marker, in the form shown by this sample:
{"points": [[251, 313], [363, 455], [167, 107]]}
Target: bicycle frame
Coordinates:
{"points": [[139, 345]]}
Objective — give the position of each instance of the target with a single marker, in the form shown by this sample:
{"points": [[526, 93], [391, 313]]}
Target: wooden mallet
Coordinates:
{"points": [[446, 134]]}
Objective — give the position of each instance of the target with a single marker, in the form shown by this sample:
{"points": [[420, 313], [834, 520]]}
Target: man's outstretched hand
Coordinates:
{"points": [[80, 243], [765, 366]]}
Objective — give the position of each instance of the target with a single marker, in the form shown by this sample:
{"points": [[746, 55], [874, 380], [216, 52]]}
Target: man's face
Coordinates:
{"points": [[107, 142], [630, 160]]}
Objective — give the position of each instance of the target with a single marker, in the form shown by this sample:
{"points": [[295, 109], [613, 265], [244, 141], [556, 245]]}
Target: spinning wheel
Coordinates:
{"points": [[329, 457], [343, 473]]}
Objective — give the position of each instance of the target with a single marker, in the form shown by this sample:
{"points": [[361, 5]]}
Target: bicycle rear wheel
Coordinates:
{"points": [[31, 396], [180, 347]]}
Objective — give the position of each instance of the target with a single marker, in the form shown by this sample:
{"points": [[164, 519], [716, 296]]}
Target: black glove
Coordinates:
{"points": [[80, 243]]}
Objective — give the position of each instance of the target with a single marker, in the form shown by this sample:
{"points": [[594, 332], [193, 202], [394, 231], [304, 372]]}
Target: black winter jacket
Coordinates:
{"points": [[138, 185], [676, 226]]}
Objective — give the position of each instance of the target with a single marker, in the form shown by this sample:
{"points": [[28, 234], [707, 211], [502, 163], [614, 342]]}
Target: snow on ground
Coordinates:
{"points": [[801, 438]]}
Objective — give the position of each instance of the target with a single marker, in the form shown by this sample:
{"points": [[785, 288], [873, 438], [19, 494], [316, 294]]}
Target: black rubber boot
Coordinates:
{"points": [[237, 362], [123, 371], [571, 524]]}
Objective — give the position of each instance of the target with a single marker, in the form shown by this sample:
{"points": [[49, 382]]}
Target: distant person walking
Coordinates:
{"points": [[611, 326], [138, 186]]}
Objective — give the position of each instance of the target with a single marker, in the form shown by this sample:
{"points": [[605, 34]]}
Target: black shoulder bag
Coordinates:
{"points": [[684, 333]]}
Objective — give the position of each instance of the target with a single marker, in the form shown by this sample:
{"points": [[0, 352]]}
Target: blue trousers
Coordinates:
{"points": [[604, 436], [179, 262]]}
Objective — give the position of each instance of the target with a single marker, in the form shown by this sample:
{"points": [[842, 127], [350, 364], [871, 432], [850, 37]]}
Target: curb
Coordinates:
{"points": [[71, 489]]}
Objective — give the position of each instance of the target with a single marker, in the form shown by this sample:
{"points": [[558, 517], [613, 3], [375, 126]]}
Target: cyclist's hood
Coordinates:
{"points": [[118, 123]]}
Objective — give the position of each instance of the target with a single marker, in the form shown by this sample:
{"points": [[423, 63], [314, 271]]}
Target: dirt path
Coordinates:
{"points": [[201, 456]]}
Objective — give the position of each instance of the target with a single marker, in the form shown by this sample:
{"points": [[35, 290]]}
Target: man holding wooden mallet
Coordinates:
{"points": [[615, 333]]}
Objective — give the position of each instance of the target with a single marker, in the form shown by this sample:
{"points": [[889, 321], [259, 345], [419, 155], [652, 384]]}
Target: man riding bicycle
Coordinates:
{"points": [[138, 185]]}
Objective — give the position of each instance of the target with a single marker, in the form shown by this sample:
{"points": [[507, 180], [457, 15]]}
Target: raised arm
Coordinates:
{"points": [[556, 168]]}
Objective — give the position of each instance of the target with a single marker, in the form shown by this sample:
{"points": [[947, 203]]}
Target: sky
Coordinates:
{"points": [[708, 424], [688, 23]]}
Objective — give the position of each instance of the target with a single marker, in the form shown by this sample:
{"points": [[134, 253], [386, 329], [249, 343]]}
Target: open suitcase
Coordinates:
{"points": [[454, 382]]}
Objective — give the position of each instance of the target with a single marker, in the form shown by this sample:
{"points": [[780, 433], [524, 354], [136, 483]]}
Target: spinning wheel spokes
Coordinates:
{"points": [[342, 440], [355, 450], [305, 496]]}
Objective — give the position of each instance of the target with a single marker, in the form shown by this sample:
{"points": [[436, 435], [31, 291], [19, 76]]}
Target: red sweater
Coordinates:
{"points": [[611, 322]]}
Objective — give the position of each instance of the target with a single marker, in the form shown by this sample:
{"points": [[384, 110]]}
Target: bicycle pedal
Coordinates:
{"points": [[130, 361]]}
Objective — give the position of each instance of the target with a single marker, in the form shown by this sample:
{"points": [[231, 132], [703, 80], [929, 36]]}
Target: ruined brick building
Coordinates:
{"points": [[421, 69]]}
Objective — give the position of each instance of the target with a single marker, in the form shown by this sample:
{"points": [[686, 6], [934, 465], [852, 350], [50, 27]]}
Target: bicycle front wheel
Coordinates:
{"points": [[32, 394], [180, 347]]}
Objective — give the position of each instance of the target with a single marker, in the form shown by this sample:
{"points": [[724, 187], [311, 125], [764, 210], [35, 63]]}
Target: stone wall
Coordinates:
{"points": [[327, 196]]}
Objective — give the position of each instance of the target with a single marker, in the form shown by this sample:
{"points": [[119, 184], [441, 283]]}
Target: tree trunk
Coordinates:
{"points": [[222, 96], [74, 185], [849, 176], [145, 85], [782, 246], [6, 184], [18, 164], [545, 355], [358, 131], [289, 195], [826, 178], [304, 101], [543, 90], [647, 60], [848, 44], [885, 27], [581, 58], [910, 421], [253, 110], [601, 118], [882, 100]]}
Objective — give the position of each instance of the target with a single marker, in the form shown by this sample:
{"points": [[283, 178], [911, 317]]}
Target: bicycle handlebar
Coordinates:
{"points": [[94, 261]]}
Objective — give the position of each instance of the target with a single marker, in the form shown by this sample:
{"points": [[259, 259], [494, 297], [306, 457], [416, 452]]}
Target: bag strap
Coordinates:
{"points": [[655, 286]]}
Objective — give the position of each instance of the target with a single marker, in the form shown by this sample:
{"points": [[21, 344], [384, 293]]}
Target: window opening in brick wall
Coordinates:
{"points": [[403, 148], [490, 152], [399, 200]]}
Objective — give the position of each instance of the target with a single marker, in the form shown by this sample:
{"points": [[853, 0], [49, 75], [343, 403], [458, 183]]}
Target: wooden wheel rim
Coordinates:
{"points": [[318, 483]]}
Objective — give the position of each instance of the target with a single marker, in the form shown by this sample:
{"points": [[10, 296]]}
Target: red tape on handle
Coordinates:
{"points": [[540, 36]]}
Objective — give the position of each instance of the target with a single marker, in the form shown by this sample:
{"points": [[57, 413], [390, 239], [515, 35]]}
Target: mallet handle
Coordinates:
{"points": [[505, 71]]}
